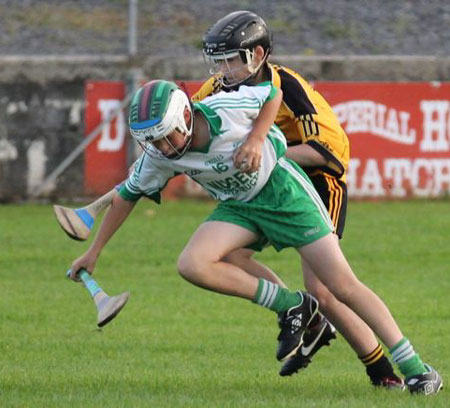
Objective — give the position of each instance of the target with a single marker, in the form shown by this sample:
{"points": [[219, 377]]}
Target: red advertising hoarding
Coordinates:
{"points": [[399, 138], [105, 162]]}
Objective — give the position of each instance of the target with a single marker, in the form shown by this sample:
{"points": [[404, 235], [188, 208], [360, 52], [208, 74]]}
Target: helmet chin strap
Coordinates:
{"points": [[175, 155], [246, 81]]}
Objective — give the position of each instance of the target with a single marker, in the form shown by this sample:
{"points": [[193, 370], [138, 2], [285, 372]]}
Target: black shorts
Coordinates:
{"points": [[333, 193]]}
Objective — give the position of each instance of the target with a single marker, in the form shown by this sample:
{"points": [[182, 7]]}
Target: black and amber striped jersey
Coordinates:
{"points": [[304, 117]]}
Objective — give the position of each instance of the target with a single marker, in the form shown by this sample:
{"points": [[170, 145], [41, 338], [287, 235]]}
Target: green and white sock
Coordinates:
{"points": [[276, 298], [407, 359]]}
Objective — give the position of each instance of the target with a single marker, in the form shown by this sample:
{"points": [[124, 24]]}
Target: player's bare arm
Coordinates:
{"points": [[306, 156], [116, 215], [248, 156]]}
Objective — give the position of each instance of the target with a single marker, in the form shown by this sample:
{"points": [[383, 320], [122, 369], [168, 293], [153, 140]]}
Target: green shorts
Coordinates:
{"points": [[287, 212]]}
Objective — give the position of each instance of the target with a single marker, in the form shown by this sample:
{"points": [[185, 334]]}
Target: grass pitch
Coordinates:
{"points": [[175, 345]]}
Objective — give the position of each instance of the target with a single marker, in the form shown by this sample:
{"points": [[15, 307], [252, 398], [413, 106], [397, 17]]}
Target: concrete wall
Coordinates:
{"points": [[41, 120], [42, 104]]}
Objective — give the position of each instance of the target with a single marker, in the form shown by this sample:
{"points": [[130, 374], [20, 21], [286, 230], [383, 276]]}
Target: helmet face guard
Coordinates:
{"points": [[150, 149], [157, 110], [220, 66]]}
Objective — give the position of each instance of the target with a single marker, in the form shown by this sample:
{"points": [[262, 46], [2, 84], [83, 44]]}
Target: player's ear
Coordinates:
{"points": [[258, 53], [187, 116]]}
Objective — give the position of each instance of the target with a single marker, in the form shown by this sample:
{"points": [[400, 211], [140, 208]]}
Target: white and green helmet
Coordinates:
{"points": [[157, 109]]}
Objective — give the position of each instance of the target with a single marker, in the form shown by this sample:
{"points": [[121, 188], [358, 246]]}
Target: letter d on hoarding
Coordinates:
{"points": [[105, 160], [113, 134]]}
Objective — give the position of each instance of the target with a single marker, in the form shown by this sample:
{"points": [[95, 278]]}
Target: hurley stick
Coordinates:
{"points": [[108, 307], [77, 223]]}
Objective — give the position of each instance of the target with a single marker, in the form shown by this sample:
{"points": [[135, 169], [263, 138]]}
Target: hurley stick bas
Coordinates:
{"points": [[77, 223], [108, 307]]}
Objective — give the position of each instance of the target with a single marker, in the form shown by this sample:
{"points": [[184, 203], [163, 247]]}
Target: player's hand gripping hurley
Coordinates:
{"points": [[108, 307]]}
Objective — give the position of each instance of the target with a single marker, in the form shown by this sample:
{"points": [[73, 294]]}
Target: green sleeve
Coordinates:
{"points": [[127, 194], [273, 90]]}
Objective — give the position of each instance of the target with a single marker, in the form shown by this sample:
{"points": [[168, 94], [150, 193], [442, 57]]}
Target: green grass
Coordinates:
{"points": [[175, 345]]}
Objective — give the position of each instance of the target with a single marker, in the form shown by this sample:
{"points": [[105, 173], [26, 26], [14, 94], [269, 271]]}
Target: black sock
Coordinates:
{"points": [[377, 365]]}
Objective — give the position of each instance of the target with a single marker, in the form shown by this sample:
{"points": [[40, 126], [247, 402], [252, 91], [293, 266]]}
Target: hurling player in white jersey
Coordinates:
{"points": [[230, 119], [276, 204]]}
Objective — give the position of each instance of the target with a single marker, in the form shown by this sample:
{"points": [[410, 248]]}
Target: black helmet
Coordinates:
{"points": [[237, 30], [237, 33]]}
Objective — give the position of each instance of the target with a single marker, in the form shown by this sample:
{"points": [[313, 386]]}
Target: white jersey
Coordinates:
{"points": [[230, 116]]}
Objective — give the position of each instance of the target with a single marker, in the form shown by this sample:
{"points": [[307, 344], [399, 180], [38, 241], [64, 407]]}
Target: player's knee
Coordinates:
{"points": [[322, 294], [190, 265], [345, 291]]}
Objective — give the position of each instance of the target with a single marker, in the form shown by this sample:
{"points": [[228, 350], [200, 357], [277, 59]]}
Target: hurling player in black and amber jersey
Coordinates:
{"points": [[237, 48]]}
